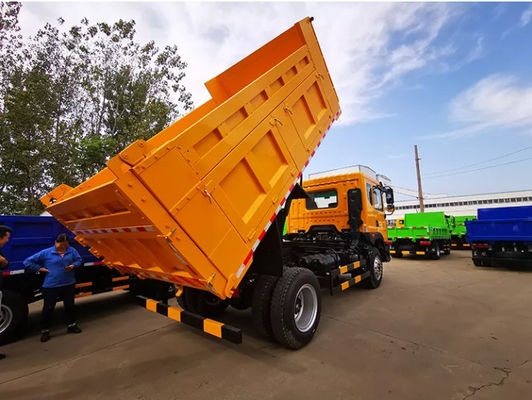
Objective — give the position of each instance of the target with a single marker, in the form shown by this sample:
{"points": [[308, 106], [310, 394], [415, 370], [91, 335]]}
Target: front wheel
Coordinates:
{"points": [[295, 308], [375, 268], [13, 316]]}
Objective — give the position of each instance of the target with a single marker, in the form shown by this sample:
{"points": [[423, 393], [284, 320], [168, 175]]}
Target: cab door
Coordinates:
{"points": [[373, 217]]}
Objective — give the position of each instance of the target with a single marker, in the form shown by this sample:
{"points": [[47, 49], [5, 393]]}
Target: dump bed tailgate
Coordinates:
{"points": [[191, 204]]}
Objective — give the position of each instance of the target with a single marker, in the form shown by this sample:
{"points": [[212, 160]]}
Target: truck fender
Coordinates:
{"points": [[375, 239]]}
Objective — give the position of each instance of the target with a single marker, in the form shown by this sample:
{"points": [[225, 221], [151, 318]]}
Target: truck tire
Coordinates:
{"points": [[436, 253], [261, 304], [375, 269], [296, 308], [13, 316], [203, 303]]}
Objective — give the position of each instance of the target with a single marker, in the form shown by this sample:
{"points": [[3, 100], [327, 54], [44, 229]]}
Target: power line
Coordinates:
{"points": [[481, 169], [429, 175]]}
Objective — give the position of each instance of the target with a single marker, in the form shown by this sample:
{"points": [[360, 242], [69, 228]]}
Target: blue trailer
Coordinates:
{"points": [[34, 233], [501, 236]]}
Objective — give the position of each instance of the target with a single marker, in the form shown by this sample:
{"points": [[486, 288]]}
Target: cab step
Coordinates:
{"points": [[337, 284], [349, 283]]}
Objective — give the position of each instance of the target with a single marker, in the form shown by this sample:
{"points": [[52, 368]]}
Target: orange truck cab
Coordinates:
{"points": [[345, 210]]}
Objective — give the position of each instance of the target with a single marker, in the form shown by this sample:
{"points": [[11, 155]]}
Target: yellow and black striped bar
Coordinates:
{"points": [[407, 252], [207, 325], [345, 269], [351, 282]]}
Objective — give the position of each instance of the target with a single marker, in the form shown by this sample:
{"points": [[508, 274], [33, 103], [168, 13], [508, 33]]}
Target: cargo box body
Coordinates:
{"points": [[191, 204], [422, 234], [501, 224], [501, 237], [458, 231]]}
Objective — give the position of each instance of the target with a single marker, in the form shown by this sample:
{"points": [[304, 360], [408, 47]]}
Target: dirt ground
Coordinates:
{"points": [[433, 330]]}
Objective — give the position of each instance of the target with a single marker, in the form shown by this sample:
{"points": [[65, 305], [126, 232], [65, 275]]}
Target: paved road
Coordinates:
{"points": [[434, 330]]}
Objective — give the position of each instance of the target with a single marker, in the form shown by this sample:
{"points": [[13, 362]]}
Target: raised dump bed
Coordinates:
{"points": [[426, 234], [191, 204]]}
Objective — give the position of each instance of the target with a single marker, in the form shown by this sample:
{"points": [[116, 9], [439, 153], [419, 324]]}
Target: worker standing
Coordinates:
{"points": [[5, 232], [58, 263]]}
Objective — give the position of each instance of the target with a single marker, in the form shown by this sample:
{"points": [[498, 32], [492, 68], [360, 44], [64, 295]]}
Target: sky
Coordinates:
{"points": [[453, 78]]}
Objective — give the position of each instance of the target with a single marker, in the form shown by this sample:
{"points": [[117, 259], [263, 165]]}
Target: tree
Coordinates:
{"points": [[76, 97]]}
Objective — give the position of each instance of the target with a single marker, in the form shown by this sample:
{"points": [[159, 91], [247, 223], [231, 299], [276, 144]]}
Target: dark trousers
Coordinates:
{"points": [[50, 296]]}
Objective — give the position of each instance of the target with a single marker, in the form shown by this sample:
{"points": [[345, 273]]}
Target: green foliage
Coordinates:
{"points": [[72, 97]]}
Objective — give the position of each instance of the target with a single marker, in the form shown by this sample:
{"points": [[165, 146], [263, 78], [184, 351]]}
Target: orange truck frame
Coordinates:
{"points": [[199, 204]]}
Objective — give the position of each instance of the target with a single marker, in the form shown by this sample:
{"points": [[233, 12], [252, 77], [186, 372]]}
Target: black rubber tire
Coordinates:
{"points": [[372, 282], [283, 305], [239, 304], [201, 302], [261, 304], [477, 262], [435, 254], [18, 308]]}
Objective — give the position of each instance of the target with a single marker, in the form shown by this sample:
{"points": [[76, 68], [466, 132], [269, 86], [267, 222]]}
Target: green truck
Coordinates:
{"points": [[426, 234], [458, 232]]}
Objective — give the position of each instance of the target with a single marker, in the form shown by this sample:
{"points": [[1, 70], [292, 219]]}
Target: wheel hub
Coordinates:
{"points": [[305, 308], [377, 268], [6, 316]]}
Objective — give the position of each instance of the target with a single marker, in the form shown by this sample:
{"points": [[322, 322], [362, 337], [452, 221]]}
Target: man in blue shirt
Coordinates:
{"points": [[58, 263]]}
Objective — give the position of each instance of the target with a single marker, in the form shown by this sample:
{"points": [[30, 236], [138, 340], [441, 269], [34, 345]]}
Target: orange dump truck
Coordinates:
{"points": [[200, 204]]}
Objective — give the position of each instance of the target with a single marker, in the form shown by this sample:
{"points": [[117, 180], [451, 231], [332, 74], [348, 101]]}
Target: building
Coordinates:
{"points": [[462, 205]]}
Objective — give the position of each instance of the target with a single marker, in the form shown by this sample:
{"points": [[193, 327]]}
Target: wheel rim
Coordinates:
{"points": [[6, 316], [377, 268], [305, 307]]}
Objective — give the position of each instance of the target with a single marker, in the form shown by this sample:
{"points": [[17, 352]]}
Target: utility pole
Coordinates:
{"points": [[419, 190]]}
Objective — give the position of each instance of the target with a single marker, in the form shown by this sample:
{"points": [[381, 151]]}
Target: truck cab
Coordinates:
{"points": [[350, 200]]}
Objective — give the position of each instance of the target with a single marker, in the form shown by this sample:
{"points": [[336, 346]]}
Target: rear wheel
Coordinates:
{"points": [[201, 302], [13, 316], [261, 304], [296, 308], [436, 253]]}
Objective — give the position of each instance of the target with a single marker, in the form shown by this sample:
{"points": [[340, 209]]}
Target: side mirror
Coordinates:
{"points": [[389, 199]]}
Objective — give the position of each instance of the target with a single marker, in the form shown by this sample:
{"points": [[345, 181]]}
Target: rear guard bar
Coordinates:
{"points": [[214, 328]]}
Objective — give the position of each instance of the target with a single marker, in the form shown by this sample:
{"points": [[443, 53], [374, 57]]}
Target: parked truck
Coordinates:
{"points": [[202, 204], [501, 236], [458, 232], [34, 233], [424, 234]]}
